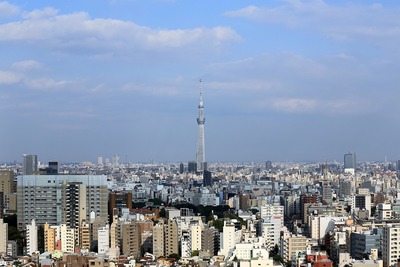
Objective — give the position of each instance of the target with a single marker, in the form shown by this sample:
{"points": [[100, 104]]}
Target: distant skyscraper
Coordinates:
{"points": [[268, 165], [99, 160], [201, 156], [207, 178], [181, 168], [350, 162], [192, 166], [30, 164]]}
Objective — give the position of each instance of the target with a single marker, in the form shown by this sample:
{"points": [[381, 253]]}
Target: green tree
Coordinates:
{"points": [[195, 253], [174, 256], [162, 213]]}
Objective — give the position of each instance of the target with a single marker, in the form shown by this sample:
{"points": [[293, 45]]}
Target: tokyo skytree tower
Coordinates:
{"points": [[201, 156]]}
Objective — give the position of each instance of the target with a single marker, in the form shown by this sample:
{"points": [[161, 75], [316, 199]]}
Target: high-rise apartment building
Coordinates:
{"points": [[210, 241], [146, 234], [74, 203], [103, 239], [158, 240], [52, 236], [67, 237], [30, 164], [7, 186], [31, 238], [39, 198], [3, 236], [171, 238], [390, 244], [84, 235], [131, 238], [228, 238]]}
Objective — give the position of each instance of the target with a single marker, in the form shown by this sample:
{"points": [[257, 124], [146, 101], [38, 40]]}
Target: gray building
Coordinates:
{"points": [[30, 164], [40, 197], [350, 161], [362, 243]]}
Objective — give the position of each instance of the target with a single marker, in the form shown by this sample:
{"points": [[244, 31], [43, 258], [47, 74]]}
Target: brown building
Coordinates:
{"points": [[146, 234], [131, 239], [84, 235], [210, 241], [7, 187], [119, 200], [304, 200]]}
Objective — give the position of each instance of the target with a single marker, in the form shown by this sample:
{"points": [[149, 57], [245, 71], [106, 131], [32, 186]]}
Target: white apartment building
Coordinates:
{"points": [[229, 238], [31, 238], [272, 211], [67, 238], [270, 230], [3, 236], [391, 244], [103, 239]]}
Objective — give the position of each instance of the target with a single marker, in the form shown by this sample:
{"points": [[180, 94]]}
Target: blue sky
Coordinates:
{"points": [[283, 80]]}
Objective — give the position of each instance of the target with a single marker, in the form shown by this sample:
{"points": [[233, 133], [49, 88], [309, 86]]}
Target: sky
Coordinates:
{"points": [[283, 80]]}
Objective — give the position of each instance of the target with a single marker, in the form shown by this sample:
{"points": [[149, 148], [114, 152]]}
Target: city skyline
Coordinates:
{"points": [[283, 80]]}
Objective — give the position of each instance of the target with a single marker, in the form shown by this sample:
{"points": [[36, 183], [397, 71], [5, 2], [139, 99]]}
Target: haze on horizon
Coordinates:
{"points": [[282, 80]]}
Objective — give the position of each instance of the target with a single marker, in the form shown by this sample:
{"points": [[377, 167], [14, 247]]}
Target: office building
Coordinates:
{"points": [[350, 162], [207, 178], [45, 191], [292, 245], [119, 200], [30, 164], [268, 165], [192, 167], [361, 243], [201, 156]]}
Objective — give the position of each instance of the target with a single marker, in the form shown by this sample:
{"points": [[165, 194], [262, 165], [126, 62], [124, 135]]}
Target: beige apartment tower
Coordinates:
{"points": [[131, 239], [3, 236], [171, 238], [158, 240]]}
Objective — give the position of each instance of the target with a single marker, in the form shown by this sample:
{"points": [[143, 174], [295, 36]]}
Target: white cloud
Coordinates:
{"points": [[158, 90], [342, 22], [46, 83], [8, 77], [26, 65], [294, 104], [40, 13], [8, 10], [75, 32]]}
